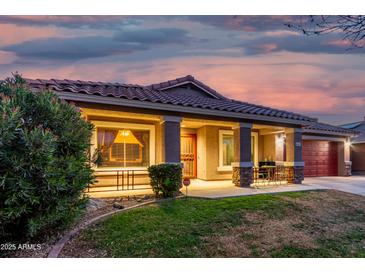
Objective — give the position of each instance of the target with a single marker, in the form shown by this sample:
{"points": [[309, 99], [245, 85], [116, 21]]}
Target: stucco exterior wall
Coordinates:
{"points": [[158, 142], [201, 153], [208, 154], [358, 157], [341, 158], [268, 147]]}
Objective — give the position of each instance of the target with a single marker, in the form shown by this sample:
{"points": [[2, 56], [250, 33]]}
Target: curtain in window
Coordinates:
{"points": [[106, 138]]}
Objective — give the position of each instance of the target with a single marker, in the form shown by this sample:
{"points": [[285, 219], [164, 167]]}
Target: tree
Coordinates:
{"points": [[44, 167], [350, 27]]}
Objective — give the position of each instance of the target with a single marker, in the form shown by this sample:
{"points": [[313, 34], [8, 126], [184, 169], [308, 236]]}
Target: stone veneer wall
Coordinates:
{"points": [[297, 176], [242, 176], [348, 165]]}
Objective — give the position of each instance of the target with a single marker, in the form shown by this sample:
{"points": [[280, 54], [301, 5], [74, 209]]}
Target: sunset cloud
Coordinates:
{"points": [[248, 58]]}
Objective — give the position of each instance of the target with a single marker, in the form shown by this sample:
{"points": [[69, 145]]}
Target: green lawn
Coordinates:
{"points": [[298, 224]]}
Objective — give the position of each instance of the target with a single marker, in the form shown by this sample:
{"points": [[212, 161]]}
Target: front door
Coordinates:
{"points": [[188, 155]]}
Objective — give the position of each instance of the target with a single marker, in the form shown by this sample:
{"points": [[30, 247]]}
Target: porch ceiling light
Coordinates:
{"points": [[126, 136]]}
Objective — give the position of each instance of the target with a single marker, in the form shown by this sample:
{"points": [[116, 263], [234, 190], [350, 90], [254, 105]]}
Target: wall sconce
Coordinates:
{"points": [[280, 139]]}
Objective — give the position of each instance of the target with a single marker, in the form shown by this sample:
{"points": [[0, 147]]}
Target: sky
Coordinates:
{"points": [[255, 59]]}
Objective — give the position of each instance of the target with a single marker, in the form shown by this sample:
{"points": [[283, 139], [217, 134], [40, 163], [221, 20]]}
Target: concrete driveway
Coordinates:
{"points": [[353, 184]]}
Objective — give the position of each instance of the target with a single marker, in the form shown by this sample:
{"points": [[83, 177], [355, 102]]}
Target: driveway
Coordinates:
{"points": [[352, 184]]}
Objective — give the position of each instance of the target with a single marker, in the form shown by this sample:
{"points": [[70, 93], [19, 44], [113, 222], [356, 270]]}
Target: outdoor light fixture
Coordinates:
{"points": [[280, 139]]}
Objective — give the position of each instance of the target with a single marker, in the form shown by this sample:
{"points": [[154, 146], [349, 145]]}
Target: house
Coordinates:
{"points": [[357, 146], [214, 137]]}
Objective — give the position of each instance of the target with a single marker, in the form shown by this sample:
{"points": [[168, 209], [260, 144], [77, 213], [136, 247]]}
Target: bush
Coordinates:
{"points": [[166, 179], [44, 165]]}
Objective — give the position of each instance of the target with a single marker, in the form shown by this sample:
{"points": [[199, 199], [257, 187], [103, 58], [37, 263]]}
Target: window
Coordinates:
{"points": [[226, 149], [124, 147]]}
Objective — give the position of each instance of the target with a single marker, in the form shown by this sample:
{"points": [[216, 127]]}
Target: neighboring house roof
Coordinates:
{"points": [[351, 125], [360, 128], [154, 95], [187, 80], [330, 129]]}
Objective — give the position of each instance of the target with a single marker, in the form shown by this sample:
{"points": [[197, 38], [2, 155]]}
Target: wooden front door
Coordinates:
{"points": [[188, 155]]}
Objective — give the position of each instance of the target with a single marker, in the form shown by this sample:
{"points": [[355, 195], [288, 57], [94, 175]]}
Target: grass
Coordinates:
{"points": [[296, 224]]}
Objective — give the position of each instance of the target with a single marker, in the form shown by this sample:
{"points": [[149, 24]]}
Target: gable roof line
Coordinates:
{"points": [[186, 80], [190, 82]]}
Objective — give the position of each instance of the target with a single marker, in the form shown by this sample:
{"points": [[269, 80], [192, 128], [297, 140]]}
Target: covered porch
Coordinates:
{"points": [[254, 154]]}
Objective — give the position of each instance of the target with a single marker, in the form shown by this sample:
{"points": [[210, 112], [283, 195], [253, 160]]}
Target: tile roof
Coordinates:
{"points": [[328, 128], [351, 125], [150, 94], [360, 138], [360, 128], [184, 80]]}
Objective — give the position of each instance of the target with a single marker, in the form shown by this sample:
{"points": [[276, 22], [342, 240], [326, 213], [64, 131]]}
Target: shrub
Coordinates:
{"points": [[166, 179], [44, 144]]}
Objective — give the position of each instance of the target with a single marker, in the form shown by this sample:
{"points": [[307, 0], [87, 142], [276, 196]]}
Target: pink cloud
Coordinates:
{"points": [[6, 57], [12, 34], [295, 82], [339, 43], [292, 86]]}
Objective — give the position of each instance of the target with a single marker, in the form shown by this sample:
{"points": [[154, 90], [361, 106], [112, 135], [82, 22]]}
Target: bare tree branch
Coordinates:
{"points": [[350, 27]]}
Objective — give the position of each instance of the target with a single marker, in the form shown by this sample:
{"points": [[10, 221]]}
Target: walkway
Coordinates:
{"points": [[221, 189]]}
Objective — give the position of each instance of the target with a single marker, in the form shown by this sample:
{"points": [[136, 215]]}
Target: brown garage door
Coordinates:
{"points": [[320, 158]]}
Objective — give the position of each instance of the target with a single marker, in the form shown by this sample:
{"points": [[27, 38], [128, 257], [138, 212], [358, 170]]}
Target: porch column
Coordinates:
{"points": [[294, 154], [344, 161], [242, 164], [170, 139]]}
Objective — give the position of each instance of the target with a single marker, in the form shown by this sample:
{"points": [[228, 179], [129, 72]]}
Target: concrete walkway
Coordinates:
{"points": [[353, 184], [221, 189]]}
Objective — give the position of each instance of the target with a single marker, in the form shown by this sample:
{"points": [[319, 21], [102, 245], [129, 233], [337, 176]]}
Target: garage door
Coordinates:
{"points": [[320, 158]]}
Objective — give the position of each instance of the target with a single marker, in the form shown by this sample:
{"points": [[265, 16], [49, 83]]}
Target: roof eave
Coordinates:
{"points": [[327, 132], [175, 108]]}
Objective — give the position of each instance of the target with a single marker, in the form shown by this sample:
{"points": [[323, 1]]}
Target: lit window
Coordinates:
{"points": [[123, 147], [227, 150]]}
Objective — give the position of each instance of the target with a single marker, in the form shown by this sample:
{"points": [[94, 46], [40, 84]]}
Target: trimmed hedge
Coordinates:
{"points": [[44, 169], [166, 179]]}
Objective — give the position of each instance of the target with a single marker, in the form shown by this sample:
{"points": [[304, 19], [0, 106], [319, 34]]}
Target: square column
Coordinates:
{"points": [[344, 161], [170, 139], [294, 154], [242, 163]]}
